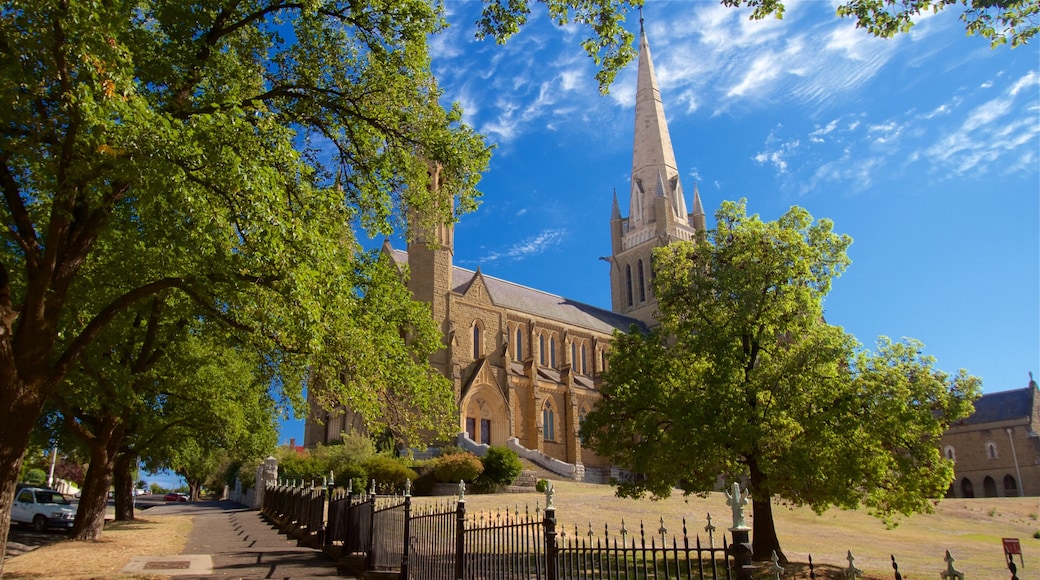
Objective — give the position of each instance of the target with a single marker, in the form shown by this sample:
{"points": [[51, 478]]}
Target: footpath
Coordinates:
{"points": [[228, 540]]}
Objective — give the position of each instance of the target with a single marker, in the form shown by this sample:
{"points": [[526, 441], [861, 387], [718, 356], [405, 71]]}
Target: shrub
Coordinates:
{"points": [[390, 474], [423, 485], [452, 468], [501, 466], [452, 450], [347, 472], [35, 477], [542, 485]]}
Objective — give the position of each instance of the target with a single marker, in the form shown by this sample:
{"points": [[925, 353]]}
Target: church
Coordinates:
{"points": [[526, 364]]}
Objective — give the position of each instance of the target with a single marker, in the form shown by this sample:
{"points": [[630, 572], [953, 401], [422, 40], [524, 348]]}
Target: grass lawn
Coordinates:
{"points": [[970, 529]]}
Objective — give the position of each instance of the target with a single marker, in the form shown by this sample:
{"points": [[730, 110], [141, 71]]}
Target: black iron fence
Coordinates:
{"points": [[444, 542]]}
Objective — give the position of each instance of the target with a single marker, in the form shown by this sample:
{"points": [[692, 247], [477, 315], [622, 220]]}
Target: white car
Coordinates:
{"points": [[42, 508]]}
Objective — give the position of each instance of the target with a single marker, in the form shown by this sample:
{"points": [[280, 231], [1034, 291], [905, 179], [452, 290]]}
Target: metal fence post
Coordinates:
{"points": [[551, 556], [740, 549], [460, 530], [407, 518], [370, 553]]}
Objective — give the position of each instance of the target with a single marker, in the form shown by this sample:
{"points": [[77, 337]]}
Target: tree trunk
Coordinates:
{"points": [[763, 531], [21, 404], [104, 445], [93, 501], [124, 486]]}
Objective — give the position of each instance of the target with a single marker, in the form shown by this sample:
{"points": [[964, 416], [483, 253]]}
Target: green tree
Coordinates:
{"points": [[744, 379], [999, 21], [246, 141]]}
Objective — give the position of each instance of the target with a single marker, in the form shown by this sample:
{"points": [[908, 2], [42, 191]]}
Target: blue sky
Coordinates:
{"points": [[925, 148]]}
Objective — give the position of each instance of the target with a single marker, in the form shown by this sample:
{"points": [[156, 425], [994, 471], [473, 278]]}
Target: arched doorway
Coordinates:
{"points": [[967, 489], [485, 417], [989, 487], [1010, 486]]}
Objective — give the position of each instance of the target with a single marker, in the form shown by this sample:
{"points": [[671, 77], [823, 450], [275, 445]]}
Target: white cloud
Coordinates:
{"points": [[777, 155], [534, 245], [991, 132], [817, 136]]}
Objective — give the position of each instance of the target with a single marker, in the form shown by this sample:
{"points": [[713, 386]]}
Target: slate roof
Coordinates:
{"points": [[1002, 406], [535, 302]]}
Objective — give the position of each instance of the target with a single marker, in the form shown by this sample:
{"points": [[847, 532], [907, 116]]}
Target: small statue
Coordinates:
{"points": [[737, 502]]}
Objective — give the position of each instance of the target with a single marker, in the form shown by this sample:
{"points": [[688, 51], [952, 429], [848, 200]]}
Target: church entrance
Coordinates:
{"points": [[486, 420]]}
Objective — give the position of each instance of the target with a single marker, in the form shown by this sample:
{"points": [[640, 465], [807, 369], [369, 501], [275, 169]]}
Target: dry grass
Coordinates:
{"points": [[68, 559], [970, 529]]}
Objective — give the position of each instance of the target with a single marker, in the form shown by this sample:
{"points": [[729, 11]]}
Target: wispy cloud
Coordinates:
{"points": [[532, 246], [990, 131]]}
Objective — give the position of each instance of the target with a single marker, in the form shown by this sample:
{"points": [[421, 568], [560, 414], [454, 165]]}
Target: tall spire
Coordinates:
{"points": [[653, 160]]}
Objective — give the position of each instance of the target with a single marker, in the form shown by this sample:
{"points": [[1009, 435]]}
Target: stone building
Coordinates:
{"points": [[526, 364], [996, 451]]}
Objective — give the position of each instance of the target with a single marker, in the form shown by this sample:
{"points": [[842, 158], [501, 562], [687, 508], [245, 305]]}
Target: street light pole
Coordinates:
{"points": [[1018, 472], [54, 459]]}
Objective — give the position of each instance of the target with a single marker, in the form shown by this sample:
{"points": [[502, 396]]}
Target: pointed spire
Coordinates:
{"points": [[697, 218], [653, 160], [615, 212]]}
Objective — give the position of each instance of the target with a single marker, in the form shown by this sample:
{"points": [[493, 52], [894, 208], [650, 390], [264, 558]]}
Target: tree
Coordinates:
{"points": [[246, 140], [744, 379], [996, 20]]}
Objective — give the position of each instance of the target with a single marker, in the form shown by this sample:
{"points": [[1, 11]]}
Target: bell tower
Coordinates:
{"points": [[657, 212], [431, 248]]}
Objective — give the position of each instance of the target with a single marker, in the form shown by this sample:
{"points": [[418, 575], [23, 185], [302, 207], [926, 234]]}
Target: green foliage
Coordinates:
{"points": [[501, 466], [389, 472], [996, 20], [745, 379], [423, 485], [609, 45], [166, 164], [156, 489], [457, 466], [35, 477], [541, 486]]}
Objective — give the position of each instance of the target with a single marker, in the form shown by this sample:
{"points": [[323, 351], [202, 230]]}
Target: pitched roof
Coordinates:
{"points": [[1002, 406], [537, 303]]}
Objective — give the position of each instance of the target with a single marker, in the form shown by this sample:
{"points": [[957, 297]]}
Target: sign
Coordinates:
{"points": [[1012, 546]]}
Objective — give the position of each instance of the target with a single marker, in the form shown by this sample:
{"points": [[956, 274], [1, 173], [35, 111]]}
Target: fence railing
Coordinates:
{"points": [[444, 542]]}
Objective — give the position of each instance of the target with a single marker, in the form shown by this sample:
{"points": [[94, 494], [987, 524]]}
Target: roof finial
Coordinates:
{"points": [[640, 20]]}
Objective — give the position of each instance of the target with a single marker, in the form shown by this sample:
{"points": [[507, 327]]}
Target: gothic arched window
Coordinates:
{"points": [[584, 369], [548, 422], [628, 283], [478, 341], [991, 450], [518, 350], [642, 283], [950, 453], [552, 351], [541, 349]]}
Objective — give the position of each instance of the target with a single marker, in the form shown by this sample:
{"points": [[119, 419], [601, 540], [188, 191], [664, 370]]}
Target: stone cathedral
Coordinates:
{"points": [[526, 364]]}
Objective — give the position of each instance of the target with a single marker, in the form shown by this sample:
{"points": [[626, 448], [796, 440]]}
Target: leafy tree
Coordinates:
{"points": [[744, 379], [35, 476], [996, 20], [244, 140]]}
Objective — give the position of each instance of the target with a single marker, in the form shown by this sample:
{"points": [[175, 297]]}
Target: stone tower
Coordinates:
{"points": [[430, 253], [657, 212]]}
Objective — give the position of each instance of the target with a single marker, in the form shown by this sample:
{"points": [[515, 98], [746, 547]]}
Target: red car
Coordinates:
{"points": [[174, 496]]}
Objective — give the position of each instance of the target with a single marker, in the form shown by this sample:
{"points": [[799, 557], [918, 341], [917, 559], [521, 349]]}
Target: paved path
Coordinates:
{"points": [[241, 544]]}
